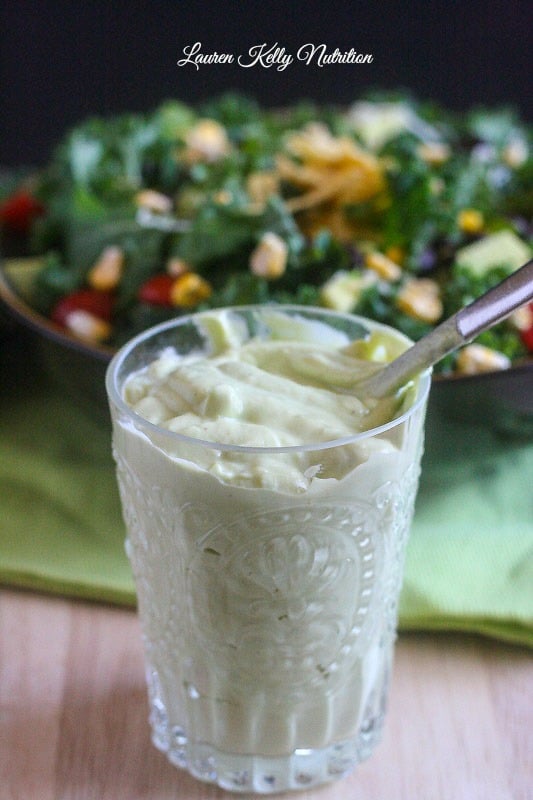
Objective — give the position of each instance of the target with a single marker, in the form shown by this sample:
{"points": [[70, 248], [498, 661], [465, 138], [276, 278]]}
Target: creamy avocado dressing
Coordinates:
{"points": [[268, 394], [267, 579]]}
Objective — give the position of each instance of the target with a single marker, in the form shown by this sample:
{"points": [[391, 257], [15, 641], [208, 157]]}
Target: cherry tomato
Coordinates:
{"points": [[156, 291], [18, 211], [98, 303], [527, 334], [527, 338]]}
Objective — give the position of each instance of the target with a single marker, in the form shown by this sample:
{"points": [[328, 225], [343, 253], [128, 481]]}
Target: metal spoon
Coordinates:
{"points": [[480, 315]]}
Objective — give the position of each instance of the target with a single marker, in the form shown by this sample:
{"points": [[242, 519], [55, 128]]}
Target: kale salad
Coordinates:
{"points": [[391, 208]]}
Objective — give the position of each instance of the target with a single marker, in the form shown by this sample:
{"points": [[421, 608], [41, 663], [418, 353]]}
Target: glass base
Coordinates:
{"points": [[267, 775]]}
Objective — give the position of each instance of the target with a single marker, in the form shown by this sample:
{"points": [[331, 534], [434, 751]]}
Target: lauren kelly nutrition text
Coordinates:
{"points": [[264, 55]]}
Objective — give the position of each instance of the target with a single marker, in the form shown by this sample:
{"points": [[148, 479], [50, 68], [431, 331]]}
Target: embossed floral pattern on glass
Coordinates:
{"points": [[268, 618]]}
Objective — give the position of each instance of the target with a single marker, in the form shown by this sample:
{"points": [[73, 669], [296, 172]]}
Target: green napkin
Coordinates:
{"points": [[470, 556]]}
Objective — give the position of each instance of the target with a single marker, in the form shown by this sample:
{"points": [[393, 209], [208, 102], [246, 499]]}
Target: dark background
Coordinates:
{"points": [[63, 61]]}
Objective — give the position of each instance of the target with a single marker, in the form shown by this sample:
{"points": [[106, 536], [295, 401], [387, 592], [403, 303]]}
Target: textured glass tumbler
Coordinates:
{"points": [[268, 616]]}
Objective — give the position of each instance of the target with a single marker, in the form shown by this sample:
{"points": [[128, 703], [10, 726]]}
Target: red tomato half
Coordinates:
{"points": [[19, 210], [527, 334], [156, 290], [100, 304]]}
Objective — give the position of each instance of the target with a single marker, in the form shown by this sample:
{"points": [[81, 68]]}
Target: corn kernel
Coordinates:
{"points": [[261, 185], [223, 197], [396, 254], [153, 201], [476, 358], [189, 289], [420, 298], [470, 220], [106, 272], [516, 153], [522, 318], [434, 152], [269, 259], [176, 267], [383, 266], [87, 326], [206, 141]]}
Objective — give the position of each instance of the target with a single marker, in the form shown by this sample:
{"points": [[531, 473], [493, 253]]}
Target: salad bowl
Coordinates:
{"points": [[392, 209], [499, 400]]}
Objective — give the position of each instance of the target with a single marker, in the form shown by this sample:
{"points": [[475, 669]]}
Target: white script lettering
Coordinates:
{"points": [[193, 55]]}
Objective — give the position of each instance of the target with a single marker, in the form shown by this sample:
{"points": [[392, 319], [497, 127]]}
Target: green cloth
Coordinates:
{"points": [[470, 556]]}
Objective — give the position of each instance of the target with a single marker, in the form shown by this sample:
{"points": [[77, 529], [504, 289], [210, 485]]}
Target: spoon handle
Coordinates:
{"points": [[484, 312], [496, 304]]}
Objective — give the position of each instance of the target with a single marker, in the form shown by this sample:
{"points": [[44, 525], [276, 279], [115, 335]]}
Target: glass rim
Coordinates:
{"points": [[115, 396]]}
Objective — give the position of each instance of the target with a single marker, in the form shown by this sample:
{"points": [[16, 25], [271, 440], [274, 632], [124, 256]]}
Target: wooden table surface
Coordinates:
{"points": [[73, 715]]}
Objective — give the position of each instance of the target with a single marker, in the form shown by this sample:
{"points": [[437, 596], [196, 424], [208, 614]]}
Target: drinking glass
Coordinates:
{"points": [[268, 614]]}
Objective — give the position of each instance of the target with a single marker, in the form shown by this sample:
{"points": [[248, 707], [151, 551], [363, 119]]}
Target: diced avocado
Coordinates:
{"points": [[501, 249], [378, 123], [342, 291], [22, 273]]}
